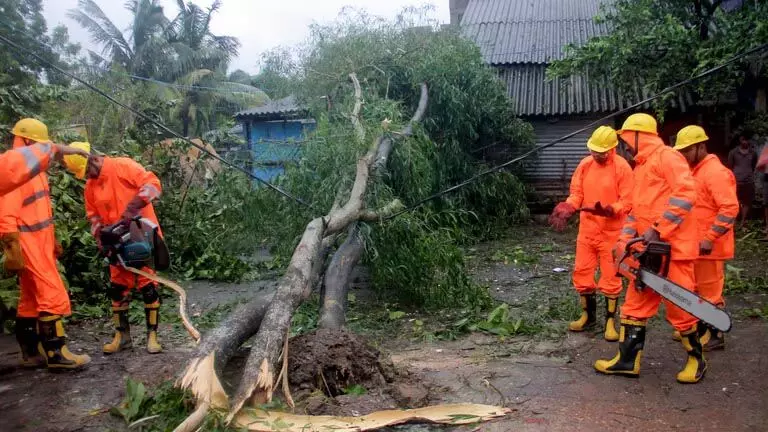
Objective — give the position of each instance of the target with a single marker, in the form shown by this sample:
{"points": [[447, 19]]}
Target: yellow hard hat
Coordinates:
{"points": [[689, 136], [76, 164], [603, 139], [640, 122], [31, 129]]}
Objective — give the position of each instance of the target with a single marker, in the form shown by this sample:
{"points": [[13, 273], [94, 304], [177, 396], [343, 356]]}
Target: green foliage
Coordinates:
{"points": [[135, 396], [678, 40], [355, 390]]}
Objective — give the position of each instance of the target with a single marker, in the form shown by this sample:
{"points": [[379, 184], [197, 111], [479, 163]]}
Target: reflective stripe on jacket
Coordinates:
{"points": [[663, 197], [716, 206]]}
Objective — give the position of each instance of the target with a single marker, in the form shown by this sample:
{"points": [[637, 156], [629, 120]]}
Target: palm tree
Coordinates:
{"points": [[136, 54], [182, 51], [201, 62]]}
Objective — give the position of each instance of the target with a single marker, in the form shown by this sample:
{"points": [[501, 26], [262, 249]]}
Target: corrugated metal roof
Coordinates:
{"points": [[530, 31], [287, 105], [532, 94]]}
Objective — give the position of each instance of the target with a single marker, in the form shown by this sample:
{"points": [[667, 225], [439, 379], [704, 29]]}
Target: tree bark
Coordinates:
{"points": [[337, 279], [347, 257], [258, 381]]}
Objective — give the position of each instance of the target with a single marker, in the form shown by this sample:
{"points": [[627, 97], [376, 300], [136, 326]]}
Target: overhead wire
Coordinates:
{"points": [[194, 87], [43, 62], [576, 132]]}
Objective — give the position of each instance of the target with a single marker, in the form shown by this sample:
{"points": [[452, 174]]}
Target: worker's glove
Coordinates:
{"points": [[14, 259], [651, 235], [559, 217], [705, 247], [132, 210], [606, 211]]}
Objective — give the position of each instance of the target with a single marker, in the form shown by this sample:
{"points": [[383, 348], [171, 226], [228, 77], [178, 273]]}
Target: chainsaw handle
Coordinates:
{"points": [[633, 242]]}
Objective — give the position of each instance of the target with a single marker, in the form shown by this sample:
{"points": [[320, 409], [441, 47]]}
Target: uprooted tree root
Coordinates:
{"points": [[333, 361]]}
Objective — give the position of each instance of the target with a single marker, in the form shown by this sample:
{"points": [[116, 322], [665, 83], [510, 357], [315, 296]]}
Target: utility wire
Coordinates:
{"points": [[574, 133], [44, 62]]}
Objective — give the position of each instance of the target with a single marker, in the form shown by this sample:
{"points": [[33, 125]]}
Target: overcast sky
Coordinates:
{"points": [[259, 24]]}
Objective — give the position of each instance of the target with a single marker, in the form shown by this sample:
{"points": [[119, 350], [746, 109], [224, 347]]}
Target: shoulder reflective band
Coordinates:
{"points": [[32, 198], [631, 218], [32, 160], [683, 204], [36, 227]]}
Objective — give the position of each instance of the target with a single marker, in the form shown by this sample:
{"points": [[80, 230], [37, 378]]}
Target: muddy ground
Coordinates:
{"points": [[545, 374]]}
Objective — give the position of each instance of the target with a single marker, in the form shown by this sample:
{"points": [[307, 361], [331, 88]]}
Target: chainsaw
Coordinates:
{"points": [[648, 267], [137, 244]]}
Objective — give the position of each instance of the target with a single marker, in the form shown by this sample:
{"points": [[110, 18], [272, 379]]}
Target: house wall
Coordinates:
{"points": [[550, 173], [275, 143]]}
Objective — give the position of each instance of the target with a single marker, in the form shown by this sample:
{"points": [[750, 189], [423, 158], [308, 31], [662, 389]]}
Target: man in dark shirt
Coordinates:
{"points": [[742, 161]]}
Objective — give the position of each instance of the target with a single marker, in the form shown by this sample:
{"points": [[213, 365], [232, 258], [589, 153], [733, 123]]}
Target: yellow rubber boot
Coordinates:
{"points": [[676, 336], [26, 336], [152, 314], [695, 366], [53, 345], [711, 339], [631, 342], [122, 339], [588, 304], [611, 304]]}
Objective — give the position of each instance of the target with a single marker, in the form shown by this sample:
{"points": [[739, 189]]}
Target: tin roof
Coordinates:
{"points": [[282, 107], [530, 31]]}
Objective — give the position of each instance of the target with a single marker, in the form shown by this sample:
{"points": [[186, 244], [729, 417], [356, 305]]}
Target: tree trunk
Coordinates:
{"points": [[307, 263], [337, 280], [347, 257]]}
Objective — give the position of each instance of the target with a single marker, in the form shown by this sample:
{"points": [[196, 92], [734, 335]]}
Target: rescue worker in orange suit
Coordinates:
{"points": [[662, 201], [602, 187], [29, 244], [118, 190], [20, 165], [716, 209]]}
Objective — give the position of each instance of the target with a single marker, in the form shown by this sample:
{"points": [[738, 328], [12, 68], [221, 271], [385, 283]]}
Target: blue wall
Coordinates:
{"points": [[273, 143]]}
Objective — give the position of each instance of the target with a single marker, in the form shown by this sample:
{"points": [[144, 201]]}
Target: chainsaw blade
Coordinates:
{"points": [[687, 301]]}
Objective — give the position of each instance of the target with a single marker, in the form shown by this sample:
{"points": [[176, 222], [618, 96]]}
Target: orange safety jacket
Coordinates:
{"points": [[21, 164], [610, 184], [27, 210], [120, 180], [663, 197], [716, 206]]}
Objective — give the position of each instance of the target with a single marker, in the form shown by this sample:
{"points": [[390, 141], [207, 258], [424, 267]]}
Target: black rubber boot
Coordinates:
{"points": [[54, 344], [631, 343], [152, 313], [695, 366], [711, 339], [26, 336], [587, 319], [122, 339], [611, 304]]}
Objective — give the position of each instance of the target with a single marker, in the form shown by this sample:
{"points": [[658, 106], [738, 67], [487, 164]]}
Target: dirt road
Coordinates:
{"points": [[547, 378]]}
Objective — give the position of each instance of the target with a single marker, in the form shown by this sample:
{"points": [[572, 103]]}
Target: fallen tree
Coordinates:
{"points": [[271, 323]]}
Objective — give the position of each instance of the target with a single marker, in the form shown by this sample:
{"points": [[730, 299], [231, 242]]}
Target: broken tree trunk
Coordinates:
{"points": [[273, 322], [338, 275]]}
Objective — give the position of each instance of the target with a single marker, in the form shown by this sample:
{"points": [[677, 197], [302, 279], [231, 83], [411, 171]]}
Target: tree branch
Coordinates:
{"points": [[355, 116]]}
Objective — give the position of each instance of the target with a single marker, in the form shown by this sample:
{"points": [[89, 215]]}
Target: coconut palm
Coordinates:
{"points": [[182, 51]]}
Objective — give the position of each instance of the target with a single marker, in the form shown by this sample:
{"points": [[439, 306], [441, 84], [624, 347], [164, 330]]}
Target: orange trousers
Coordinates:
{"points": [[125, 282], [592, 254], [41, 287], [710, 279], [642, 305]]}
